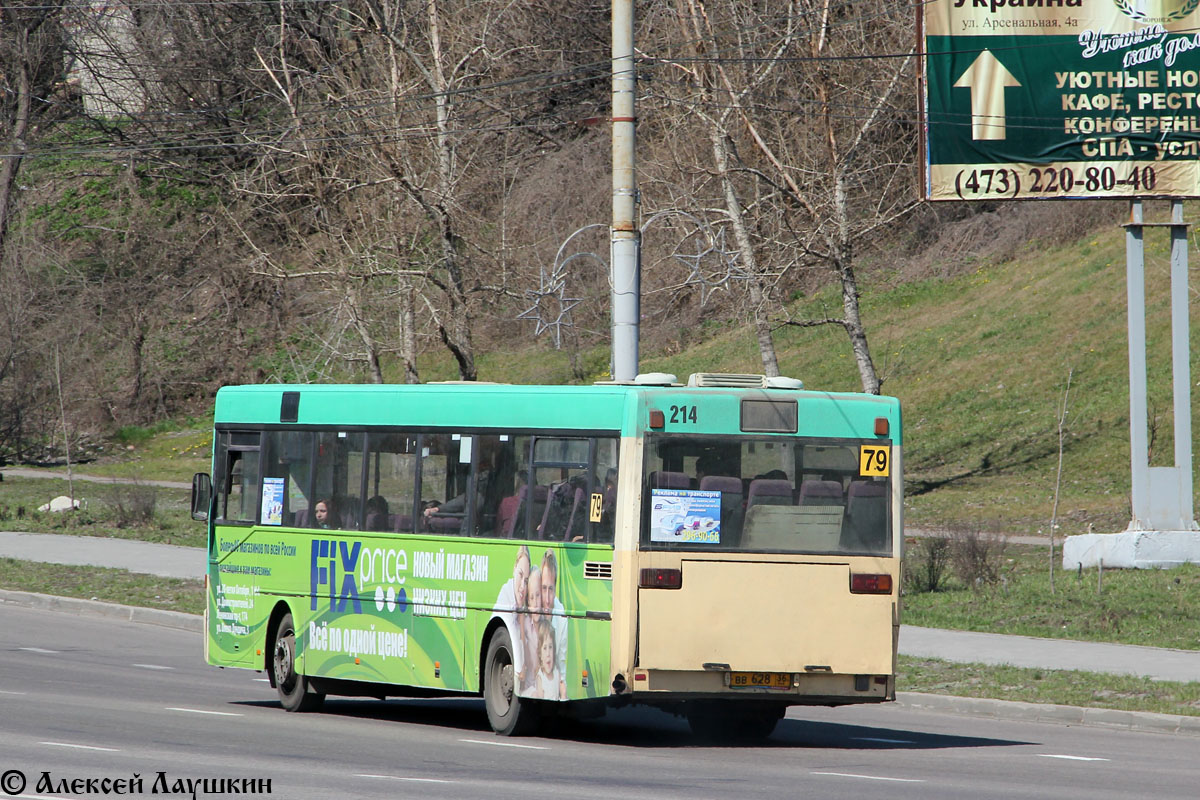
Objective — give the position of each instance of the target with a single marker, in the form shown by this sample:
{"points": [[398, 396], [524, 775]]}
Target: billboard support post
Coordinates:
{"points": [[1163, 530], [1089, 99]]}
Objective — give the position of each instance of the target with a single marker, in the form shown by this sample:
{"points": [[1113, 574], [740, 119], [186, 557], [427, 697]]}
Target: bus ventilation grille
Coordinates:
{"points": [[727, 379], [597, 570]]}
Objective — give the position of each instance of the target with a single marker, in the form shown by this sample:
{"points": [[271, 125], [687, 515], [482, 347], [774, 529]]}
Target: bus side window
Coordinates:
{"points": [[445, 466], [391, 478], [605, 470], [239, 489], [495, 482], [338, 478], [288, 455]]}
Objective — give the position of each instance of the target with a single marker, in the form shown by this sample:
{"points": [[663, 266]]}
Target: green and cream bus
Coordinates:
{"points": [[722, 549]]}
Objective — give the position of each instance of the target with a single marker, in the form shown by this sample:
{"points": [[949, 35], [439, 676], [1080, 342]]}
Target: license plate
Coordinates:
{"points": [[760, 680]]}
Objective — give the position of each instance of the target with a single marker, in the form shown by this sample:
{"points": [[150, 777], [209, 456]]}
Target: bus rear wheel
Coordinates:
{"points": [[724, 722], [508, 714], [295, 694]]}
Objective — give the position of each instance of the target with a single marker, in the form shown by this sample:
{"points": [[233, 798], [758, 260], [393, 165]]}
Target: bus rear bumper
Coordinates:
{"points": [[805, 689]]}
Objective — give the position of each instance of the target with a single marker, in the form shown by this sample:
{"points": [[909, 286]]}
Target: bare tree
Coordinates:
{"points": [[718, 100], [31, 65], [804, 162], [851, 178]]}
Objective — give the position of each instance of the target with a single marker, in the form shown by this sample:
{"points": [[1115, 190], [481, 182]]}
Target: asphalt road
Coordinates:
{"points": [[85, 697]]}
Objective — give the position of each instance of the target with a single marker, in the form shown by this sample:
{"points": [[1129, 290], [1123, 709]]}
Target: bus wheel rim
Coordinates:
{"points": [[283, 662]]}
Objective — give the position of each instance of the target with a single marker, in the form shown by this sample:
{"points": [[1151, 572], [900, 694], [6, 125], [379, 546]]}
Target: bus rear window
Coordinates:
{"points": [[782, 495]]}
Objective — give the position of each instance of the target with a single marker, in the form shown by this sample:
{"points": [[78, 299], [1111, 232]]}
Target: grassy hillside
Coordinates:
{"points": [[980, 362]]}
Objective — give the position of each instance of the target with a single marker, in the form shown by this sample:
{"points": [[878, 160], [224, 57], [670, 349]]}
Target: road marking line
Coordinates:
{"points": [[399, 778], [261, 680], [81, 746], [152, 666], [39, 650], [3, 691], [868, 777], [505, 744], [1070, 758], [882, 741], [201, 711]]}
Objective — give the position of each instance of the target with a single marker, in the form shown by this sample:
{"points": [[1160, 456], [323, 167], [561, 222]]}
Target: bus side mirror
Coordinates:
{"points": [[201, 496]]}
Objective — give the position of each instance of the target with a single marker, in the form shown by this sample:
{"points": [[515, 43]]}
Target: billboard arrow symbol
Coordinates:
{"points": [[987, 79]]}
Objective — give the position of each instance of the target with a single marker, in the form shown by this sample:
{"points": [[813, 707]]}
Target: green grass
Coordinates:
{"points": [[165, 452], [1084, 689], [98, 583], [105, 510], [1155, 608]]}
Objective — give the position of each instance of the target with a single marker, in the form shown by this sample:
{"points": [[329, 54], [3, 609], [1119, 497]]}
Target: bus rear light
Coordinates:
{"points": [[862, 583], [881, 426], [661, 578], [657, 418]]}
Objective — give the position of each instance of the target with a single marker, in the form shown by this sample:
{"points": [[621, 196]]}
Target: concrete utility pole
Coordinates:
{"points": [[625, 237]]}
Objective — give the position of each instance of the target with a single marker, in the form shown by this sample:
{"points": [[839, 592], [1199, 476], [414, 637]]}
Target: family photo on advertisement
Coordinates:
{"points": [[529, 604]]}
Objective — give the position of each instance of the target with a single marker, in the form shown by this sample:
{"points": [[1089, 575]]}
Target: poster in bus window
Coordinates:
{"points": [[272, 501], [685, 516]]}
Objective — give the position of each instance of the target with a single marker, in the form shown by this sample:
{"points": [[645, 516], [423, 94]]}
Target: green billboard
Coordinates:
{"points": [[1061, 98]]}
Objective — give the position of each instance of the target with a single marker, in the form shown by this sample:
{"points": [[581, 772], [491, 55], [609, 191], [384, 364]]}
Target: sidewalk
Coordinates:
{"points": [[23, 472], [958, 646], [165, 560]]}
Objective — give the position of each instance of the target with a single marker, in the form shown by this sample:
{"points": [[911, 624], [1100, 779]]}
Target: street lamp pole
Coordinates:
{"points": [[625, 237]]}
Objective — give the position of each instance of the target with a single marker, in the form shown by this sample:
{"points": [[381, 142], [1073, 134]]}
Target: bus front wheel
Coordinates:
{"points": [[294, 691], [508, 714]]}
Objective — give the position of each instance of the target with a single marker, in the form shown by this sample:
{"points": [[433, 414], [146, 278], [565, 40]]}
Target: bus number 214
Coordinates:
{"points": [[683, 415]]}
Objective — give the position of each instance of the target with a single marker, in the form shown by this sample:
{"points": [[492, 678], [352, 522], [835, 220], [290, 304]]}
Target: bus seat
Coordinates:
{"points": [[506, 515], [402, 523], [300, 518], [540, 494], [865, 526], [444, 524], [575, 515], [725, 484], [560, 508], [769, 491], [820, 493], [670, 480]]}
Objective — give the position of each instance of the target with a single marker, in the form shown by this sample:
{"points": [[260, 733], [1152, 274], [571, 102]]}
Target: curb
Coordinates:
{"points": [[1143, 721], [95, 608]]}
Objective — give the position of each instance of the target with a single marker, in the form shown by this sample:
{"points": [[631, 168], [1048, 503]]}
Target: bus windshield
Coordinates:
{"points": [[768, 494]]}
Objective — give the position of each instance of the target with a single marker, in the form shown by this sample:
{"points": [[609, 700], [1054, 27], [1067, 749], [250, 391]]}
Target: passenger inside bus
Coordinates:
{"points": [[377, 514], [448, 516], [325, 515]]}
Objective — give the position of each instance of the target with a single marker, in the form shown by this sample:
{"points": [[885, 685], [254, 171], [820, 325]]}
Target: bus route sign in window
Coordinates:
{"points": [[685, 515]]}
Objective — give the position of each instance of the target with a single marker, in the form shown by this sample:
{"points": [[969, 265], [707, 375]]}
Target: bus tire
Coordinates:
{"points": [[508, 714], [295, 694]]}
